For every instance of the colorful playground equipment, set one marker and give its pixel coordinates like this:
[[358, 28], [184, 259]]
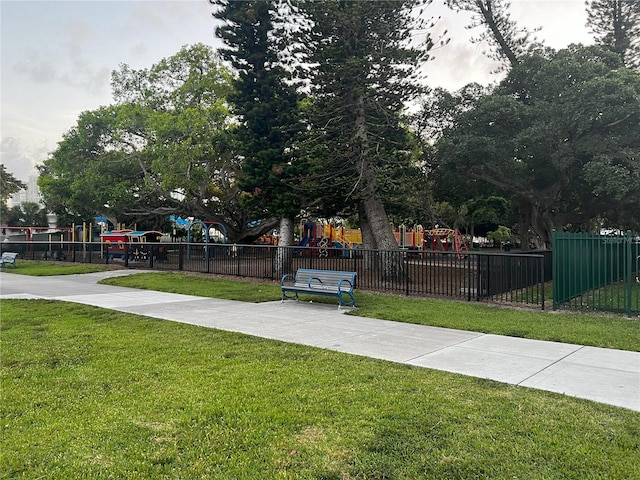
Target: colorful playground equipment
[[419, 238], [118, 242], [328, 236], [443, 237]]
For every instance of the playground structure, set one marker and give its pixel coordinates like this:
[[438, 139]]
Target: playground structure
[[419, 238], [326, 236], [120, 243], [56, 238], [267, 239], [38, 234], [206, 228]]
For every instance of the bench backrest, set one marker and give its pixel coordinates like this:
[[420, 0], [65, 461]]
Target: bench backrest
[[9, 256], [328, 277]]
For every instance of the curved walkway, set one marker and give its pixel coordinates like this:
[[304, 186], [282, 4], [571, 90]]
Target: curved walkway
[[602, 375]]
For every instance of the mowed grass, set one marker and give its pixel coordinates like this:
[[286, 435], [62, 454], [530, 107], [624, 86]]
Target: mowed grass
[[44, 268], [92, 393], [201, 286], [579, 328]]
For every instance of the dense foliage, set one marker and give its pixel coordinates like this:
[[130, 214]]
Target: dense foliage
[[363, 72], [311, 120], [560, 136], [616, 26], [163, 148], [26, 214], [9, 185], [266, 104]]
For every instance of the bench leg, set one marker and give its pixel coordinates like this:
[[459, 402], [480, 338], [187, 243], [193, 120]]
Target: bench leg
[[285, 297], [350, 303]]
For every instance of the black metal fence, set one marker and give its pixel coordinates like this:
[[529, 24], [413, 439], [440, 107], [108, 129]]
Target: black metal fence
[[472, 276]]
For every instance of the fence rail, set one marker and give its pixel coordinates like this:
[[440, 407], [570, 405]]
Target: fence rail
[[474, 276]]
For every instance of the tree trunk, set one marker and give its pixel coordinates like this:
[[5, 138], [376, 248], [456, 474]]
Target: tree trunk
[[368, 242], [391, 261], [537, 225], [284, 255], [543, 224], [374, 211]]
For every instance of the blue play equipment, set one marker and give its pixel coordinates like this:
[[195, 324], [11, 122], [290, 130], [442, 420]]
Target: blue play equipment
[[205, 226]]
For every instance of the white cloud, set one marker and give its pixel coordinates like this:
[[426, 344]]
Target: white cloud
[[20, 159]]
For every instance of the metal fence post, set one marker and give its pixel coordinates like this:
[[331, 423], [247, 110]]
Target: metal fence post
[[628, 273], [406, 277], [542, 281], [554, 270], [478, 277], [469, 277]]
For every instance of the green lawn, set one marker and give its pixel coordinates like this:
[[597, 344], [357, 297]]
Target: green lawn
[[92, 393], [580, 328], [52, 267]]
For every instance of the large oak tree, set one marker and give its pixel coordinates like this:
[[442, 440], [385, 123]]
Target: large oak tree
[[162, 148], [561, 136]]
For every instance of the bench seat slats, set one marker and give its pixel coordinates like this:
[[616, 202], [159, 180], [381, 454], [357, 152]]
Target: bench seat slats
[[9, 258], [320, 282]]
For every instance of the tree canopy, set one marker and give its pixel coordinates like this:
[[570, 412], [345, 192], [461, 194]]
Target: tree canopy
[[560, 136], [309, 118], [508, 41], [163, 148], [9, 184], [362, 73], [27, 214], [616, 26], [266, 104]]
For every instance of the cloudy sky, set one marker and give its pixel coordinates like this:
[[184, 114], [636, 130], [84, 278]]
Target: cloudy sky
[[57, 56]]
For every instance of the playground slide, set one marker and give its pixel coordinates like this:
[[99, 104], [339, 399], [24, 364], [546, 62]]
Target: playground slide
[[304, 242]]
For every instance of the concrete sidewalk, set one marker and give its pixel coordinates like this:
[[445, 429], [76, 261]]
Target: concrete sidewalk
[[598, 374]]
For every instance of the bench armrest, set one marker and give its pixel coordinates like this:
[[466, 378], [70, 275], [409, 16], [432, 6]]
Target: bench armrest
[[344, 280], [287, 276], [314, 278]]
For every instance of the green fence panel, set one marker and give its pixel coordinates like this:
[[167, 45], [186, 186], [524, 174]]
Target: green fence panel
[[596, 271]]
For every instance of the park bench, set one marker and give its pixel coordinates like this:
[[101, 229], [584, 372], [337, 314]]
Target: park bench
[[9, 258], [332, 283]]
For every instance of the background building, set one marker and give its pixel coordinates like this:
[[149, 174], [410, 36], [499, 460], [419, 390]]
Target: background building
[[29, 194]]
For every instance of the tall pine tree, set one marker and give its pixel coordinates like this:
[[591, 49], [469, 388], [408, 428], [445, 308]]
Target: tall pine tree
[[266, 105], [616, 26], [363, 70], [507, 40]]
